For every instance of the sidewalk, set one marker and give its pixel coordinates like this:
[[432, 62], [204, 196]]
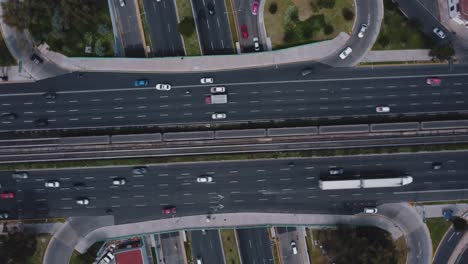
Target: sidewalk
[[14, 75], [431, 211], [397, 55]]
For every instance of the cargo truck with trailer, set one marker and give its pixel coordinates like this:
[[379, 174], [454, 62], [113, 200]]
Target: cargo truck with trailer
[[216, 99], [338, 184]]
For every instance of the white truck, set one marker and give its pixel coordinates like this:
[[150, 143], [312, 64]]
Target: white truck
[[336, 184], [216, 99]]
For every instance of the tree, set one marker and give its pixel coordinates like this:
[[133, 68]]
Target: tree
[[16, 247], [273, 8], [459, 224], [442, 51], [187, 26], [326, 4], [347, 14], [383, 41], [328, 29]]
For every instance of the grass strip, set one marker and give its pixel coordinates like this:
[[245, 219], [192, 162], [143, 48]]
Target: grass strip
[[274, 247], [231, 251], [192, 46], [42, 240], [314, 253], [437, 228], [188, 250], [232, 22], [227, 157], [144, 22], [6, 59], [402, 249], [153, 255]]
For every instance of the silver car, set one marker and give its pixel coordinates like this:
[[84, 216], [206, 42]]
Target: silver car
[[362, 31], [119, 181], [20, 175], [139, 170], [163, 87], [217, 116], [52, 184], [82, 201], [345, 53]]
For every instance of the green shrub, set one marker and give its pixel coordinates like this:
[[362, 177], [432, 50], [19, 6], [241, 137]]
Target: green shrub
[[347, 14], [326, 4], [273, 8], [442, 51], [328, 29], [187, 26], [383, 41]]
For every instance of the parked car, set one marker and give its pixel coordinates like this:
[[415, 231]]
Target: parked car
[[169, 210], [119, 181], [204, 179], [20, 175], [122, 3], [9, 116], [206, 80], [382, 109], [139, 170], [434, 81], [218, 89], [211, 8], [335, 171], [4, 215], [370, 210], [50, 95], [439, 32], [217, 116], [447, 213], [256, 44], [108, 257], [82, 201], [255, 7], [141, 83], [294, 247], [7, 195], [345, 53], [52, 184], [36, 59], [41, 122], [163, 87], [245, 33], [362, 31]]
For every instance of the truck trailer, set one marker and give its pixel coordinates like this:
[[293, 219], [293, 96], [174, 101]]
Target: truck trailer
[[216, 99], [334, 184]]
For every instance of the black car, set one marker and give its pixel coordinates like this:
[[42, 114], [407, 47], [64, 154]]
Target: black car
[[36, 59], [201, 14], [50, 95], [41, 122], [211, 9], [9, 116]]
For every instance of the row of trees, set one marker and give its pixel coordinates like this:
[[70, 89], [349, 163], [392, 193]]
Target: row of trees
[[16, 247]]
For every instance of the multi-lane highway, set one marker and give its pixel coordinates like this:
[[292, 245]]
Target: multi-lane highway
[[255, 245], [104, 99], [243, 186]]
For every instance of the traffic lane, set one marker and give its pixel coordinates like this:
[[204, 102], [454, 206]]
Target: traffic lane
[[207, 246], [446, 247], [213, 29], [163, 28], [286, 235], [171, 246], [255, 245], [244, 16], [129, 29]]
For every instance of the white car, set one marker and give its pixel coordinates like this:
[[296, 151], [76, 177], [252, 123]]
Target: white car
[[204, 179], [345, 53], [256, 44], [439, 32], [206, 80], [294, 247], [82, 201], [382, 109], [119, 181], [370, 210], [52, 184], [217, 116], [122, 3], [362, 31], [163, 87], [108, 258], [218, 89]]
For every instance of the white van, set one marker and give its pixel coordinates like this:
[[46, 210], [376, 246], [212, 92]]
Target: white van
[[199, 260]]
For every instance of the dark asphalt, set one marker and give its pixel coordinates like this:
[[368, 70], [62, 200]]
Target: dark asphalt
[[104, 99], [207, 245], [285, 236], [127, 21], [249, 186], [171, 250], [447, 246], [255, 246], [213, 30], [244, 16], [163, 28]]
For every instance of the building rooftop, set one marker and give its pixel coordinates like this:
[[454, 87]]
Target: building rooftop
[[133, 256]]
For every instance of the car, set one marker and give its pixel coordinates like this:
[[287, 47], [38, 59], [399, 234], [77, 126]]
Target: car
[[434, 81], [108, 257], [50, 95], [255, 7], [437, 165], [7, 195], [4, 215], [119, 181], [141, 83], [211, 9], [206, 80], [256, 44], [335, 171], [218, 89], [362, 31], [368, 210], [139, 170], [36, 59], [82, 201], [20, 175], [169, 210], [52, 184], [382, 109], [41, 122], [122, 3], [199, 260], [345, 53], [447, 213], [245, 33], [163, 87], [9, 116], [201, 14], [294, 247], [204, 179], [217, 116], [439, 32]]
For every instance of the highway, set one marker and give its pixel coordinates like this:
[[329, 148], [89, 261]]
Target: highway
[[206, 244], [447, 246], [238, 186], [255, 246], [128, 26], [108, 99]]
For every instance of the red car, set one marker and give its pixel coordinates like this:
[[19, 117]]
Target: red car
[[8, 195], [433, 81], [169, 210], [245, 33], [255, 7]]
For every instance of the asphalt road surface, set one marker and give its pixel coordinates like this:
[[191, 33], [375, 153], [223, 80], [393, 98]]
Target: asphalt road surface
[[104, 99], [207, 246], [244, 186], [285, 236], [447, 246], [127, 21], [172, 248], [213, 29], [255, 246], [163, 28], [244, 16]]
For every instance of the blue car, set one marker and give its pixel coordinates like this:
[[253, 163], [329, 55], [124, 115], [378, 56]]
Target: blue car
[[141, 83]]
